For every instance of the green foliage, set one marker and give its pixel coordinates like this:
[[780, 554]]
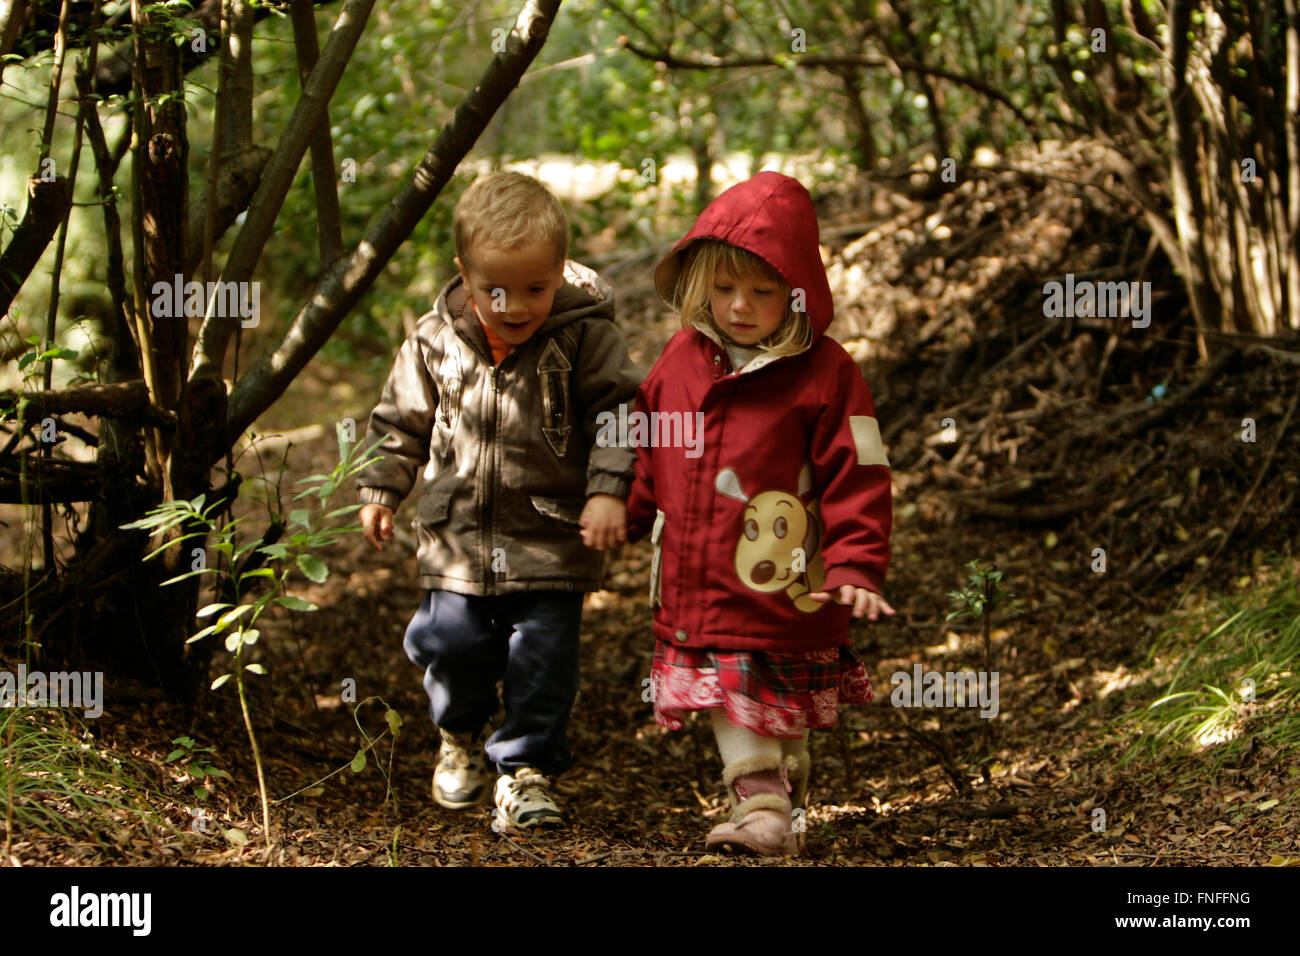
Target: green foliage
[[236, 620], [55, 778], [198, 767], [982, 596], [319, 530], [1236, 683], [392, 729]]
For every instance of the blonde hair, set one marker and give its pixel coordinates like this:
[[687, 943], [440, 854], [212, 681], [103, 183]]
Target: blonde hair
[[507, 209], [694, 289]]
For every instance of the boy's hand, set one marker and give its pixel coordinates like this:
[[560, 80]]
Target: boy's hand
[[604, 522], [376, 524], [864, 602]]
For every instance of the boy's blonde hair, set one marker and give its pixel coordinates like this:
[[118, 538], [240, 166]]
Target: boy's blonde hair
[[506, 209], [695, 286]]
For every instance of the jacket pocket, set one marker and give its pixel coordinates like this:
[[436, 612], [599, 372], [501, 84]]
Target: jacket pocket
[[656, 563], [448, 411], [553, 379], [435, 505], [567, 511]]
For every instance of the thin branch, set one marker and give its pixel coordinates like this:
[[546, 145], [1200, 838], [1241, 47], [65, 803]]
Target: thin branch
[[802, 60], [215, 333], [329, 231], [238, 52]]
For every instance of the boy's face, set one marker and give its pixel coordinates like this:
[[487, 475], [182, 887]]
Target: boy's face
[[513, 287], [747, 308]]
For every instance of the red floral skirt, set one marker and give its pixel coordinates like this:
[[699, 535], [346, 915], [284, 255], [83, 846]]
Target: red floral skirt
[[777, 695]]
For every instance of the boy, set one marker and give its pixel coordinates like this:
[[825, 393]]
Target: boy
[[496, 394]]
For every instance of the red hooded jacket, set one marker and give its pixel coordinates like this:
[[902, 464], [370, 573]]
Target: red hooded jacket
[[786, 489]]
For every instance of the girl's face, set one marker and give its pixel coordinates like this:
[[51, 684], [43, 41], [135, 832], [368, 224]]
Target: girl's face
[[749, 308]]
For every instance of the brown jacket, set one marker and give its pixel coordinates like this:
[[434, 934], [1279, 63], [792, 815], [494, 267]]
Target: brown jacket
[[509, 451]]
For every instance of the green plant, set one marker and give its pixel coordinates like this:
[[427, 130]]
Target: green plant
[[197, 766], [979, 599], [392, 852], [319, 530], [358, 762], [1237, 680], [58, 780]]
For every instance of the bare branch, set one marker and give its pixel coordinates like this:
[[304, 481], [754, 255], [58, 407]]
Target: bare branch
[[278, 176], [57, 478], [119, 400], [805, 61], [47, 201], [239, 91], [329, 231]]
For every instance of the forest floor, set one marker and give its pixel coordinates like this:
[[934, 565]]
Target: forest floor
[[1058, 451]]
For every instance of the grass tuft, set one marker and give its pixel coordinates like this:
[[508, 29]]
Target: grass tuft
[[1236, 682], [57, 780]]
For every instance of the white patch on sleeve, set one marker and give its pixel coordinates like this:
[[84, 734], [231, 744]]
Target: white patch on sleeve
[[866, 438]]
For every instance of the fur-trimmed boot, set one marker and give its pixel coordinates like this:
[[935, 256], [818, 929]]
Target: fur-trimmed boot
[[797, 766], [760, 809]]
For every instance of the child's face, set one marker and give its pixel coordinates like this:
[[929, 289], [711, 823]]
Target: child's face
[[513, 287], [749, 308]]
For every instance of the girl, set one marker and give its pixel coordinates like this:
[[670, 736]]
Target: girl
[[771, 522]]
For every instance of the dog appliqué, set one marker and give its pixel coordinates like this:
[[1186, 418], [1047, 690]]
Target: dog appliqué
[[779, 548]]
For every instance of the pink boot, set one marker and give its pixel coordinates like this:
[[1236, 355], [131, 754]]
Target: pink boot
[[761, 810]]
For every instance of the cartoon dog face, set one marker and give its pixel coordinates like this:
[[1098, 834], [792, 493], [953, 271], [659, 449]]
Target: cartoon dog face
[[776, 527], [779, 544]]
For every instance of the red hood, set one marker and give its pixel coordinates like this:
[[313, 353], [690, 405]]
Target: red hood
[[771, 216]]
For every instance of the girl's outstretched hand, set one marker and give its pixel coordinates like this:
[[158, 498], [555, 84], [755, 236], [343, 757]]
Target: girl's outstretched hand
[[864, 602]]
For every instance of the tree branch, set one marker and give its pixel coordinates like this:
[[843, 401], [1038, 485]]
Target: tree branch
[[829, 62], [329, 231], [114, 75], [47, 201], [11, 18], [120, 400], [214, 335]]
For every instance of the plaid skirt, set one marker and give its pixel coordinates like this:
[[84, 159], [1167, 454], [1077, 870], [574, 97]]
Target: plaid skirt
[[777, 695]]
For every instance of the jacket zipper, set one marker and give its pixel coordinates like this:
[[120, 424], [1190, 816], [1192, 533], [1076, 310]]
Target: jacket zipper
[[494, 396]]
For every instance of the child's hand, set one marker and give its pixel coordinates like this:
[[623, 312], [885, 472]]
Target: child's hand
[[376, 524], [864, 602], [604, 522]]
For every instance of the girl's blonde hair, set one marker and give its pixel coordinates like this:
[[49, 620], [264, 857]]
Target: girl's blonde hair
[[694, 289]]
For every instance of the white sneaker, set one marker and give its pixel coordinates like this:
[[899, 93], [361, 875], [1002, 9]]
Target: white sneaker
[[524, 801], [461, 779]]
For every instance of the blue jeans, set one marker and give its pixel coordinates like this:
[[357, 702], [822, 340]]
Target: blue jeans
[[528, 639]]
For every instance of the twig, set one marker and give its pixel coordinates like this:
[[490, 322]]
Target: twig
[[524, 849]]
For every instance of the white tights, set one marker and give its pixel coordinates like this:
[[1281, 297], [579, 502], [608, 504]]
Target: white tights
[[737, 743]]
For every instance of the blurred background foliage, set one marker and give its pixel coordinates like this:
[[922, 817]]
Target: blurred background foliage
[[622, 138]]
